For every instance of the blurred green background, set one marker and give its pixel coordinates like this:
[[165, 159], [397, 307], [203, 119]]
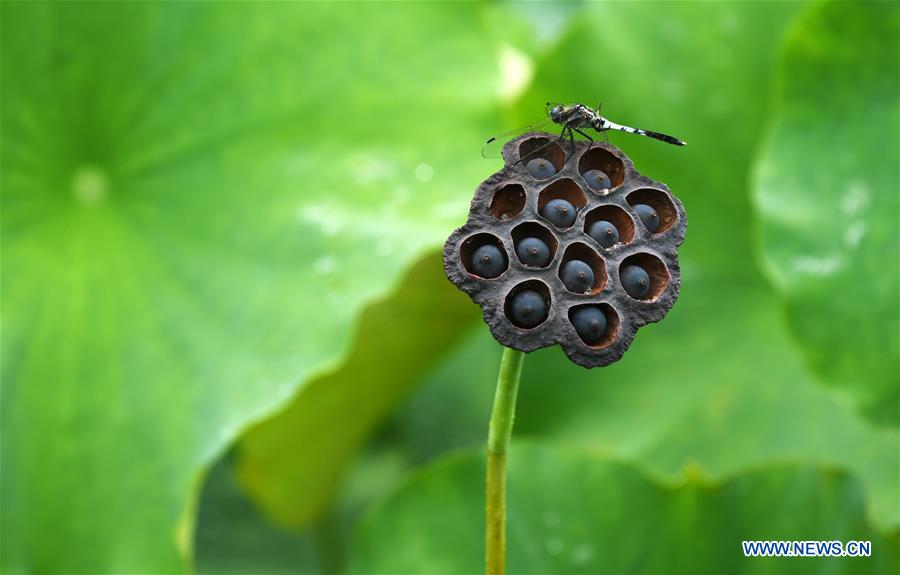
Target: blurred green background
[[228, 345]]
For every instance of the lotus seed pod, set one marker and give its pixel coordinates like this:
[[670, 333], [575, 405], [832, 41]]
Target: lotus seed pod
[[577, 276], [541, 168], [597, 180], [592, 262], [604, 233], [487, 261], [528, 309], [648, 216], [590, 323], [533, 252], [635, 280], [560, 212]]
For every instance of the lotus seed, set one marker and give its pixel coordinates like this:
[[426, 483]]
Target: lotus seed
[[488, 261], [577, 276], [560, 212], [635, 281], [597, 180], [540, 168], [605, 233], [648, 216], [533, 252], [590, 323], [528, 309]]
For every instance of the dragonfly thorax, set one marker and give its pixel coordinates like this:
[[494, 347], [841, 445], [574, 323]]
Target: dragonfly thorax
[[573, 114]]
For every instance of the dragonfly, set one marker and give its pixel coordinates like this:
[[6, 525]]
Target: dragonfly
[[574, 119]]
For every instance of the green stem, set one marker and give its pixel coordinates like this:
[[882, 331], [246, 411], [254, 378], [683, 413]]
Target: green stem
[[502, 417]]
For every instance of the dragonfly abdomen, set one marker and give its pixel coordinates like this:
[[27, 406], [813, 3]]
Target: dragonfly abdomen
[[655, 135], [664, 138]]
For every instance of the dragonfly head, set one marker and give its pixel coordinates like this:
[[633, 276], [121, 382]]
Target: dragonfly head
[[556, 112]]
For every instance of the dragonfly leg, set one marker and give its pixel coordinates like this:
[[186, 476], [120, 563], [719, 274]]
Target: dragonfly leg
[[566, 129], [586, 136]]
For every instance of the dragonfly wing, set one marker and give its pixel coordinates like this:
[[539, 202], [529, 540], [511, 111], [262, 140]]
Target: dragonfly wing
[[493, 148], [537, 153], [580, 130], [564, 139]]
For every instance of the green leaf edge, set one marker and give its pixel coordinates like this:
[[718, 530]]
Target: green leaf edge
[[768, 132], [184, 529], [693, 475]]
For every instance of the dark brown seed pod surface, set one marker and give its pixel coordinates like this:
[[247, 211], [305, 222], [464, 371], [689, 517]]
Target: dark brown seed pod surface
[[507, 208]]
